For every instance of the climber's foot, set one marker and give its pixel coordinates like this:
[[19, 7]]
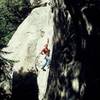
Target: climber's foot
[[43, 69]]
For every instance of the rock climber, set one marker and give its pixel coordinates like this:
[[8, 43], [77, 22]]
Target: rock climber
[[45, 51]]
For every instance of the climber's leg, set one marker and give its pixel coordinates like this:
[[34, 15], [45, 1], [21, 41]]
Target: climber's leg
[[45, 64]]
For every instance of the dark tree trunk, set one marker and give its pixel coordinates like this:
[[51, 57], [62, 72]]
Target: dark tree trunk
[[76, 52]]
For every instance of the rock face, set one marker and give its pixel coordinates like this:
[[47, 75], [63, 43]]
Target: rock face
[[27, 42], [34, 2], [74, 65], [23, 44]]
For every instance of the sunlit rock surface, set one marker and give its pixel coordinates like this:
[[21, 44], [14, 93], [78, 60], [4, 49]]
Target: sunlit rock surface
[[27, 42], [23, 44]]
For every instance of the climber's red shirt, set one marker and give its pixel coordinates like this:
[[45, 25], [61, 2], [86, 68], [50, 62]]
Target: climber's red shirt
[[45, 50]]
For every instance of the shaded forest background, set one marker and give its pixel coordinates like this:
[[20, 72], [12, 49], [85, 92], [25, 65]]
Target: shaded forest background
[[76, 51], [12, 13]]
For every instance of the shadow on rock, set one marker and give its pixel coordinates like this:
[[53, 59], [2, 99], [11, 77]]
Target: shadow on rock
[[24, 86]]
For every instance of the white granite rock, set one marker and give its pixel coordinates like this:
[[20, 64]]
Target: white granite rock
[[27, 42]]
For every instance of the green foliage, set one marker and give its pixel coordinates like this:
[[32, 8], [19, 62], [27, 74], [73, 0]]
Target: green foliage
[[12, 13], [5, 74]]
